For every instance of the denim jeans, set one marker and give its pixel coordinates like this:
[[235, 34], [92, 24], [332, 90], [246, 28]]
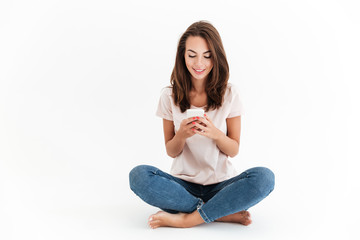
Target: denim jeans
[[214, 201]]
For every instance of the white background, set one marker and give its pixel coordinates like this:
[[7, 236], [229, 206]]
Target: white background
[[79, 86]]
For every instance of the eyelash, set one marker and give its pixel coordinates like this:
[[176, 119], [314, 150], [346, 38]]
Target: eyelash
[[194, 56]]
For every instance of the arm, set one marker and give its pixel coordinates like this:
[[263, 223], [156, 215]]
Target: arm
[[174, 143], [229, 143]]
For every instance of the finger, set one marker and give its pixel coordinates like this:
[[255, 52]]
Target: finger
[[196, 130], [189, 120], [203, 120], [203, 124], [207, 118], [200, 126], [200, 132], [190, 126]]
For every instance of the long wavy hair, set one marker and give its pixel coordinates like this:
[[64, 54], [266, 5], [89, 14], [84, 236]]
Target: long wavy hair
[[218, 77]]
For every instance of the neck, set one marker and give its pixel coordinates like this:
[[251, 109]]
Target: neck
[[198, 86]]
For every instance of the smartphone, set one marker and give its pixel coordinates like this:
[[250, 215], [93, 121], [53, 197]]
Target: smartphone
[[195, 113]]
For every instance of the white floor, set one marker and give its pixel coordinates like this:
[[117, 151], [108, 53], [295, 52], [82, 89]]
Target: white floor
[[45, 212]]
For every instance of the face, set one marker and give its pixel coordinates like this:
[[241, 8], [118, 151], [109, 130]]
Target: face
[[198, 58]]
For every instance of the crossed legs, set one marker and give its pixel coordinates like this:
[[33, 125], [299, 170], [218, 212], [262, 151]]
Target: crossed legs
[[229, 204]]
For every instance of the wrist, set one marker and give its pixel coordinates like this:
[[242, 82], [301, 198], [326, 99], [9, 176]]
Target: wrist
[[180, 136], [219, 136]]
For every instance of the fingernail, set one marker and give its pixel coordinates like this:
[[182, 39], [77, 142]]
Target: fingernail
[[193, 118], [204, 114], [193, 122], [197, 117]]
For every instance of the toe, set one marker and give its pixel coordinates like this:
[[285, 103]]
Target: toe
[[153, 217], [248, 222], [154, 224]]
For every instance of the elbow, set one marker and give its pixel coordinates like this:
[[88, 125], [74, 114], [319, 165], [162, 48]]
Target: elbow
[[171, 154], [233, 154], [168, 152]]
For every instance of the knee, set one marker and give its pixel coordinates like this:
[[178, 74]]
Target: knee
[[138, 176], [265, 179]]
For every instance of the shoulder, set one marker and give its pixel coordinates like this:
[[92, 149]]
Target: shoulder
[[165, 104], [231, 92], [166, 96], [166, 91], [233, 99]]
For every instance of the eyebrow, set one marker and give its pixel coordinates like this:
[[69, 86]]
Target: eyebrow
[[195, 52]]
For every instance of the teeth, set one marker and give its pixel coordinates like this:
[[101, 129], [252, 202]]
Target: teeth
[[199, 70]]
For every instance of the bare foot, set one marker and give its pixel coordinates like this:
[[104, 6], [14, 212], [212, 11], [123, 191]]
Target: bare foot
[[242, 217], [179, 220]]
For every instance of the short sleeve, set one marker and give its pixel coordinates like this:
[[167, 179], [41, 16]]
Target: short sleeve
[[236, 106], [164, 109]]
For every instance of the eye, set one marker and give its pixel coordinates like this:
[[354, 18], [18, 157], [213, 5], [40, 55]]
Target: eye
[[191, 56], [207, 56]]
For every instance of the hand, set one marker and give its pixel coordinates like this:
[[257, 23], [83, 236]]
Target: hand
[[186, 126], [206, 128]]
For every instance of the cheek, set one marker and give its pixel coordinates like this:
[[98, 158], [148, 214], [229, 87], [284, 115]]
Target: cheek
[[187, 63], [210, 65]]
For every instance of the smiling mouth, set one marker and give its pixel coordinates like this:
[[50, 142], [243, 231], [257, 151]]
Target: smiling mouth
[[199, 70]]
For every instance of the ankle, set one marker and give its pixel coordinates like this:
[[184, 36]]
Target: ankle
[[186, 220], [192, 219]]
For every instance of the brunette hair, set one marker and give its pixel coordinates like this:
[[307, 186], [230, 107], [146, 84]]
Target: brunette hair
[[218, 77]]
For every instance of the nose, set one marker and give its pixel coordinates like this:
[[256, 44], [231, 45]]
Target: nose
[[199, 62]]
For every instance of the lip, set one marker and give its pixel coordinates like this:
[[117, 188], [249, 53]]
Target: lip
[[199, 73]]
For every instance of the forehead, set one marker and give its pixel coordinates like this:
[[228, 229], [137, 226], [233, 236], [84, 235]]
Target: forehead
[[196, 43]]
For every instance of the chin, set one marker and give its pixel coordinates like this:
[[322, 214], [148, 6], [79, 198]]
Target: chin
[[200, 78]]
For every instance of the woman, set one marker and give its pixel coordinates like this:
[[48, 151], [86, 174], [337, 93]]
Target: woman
[[203, 185]]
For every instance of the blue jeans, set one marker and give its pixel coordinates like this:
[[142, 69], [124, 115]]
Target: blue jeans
[[214, 201]]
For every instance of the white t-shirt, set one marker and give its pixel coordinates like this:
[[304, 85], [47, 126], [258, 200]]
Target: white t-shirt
[[201, 161]]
